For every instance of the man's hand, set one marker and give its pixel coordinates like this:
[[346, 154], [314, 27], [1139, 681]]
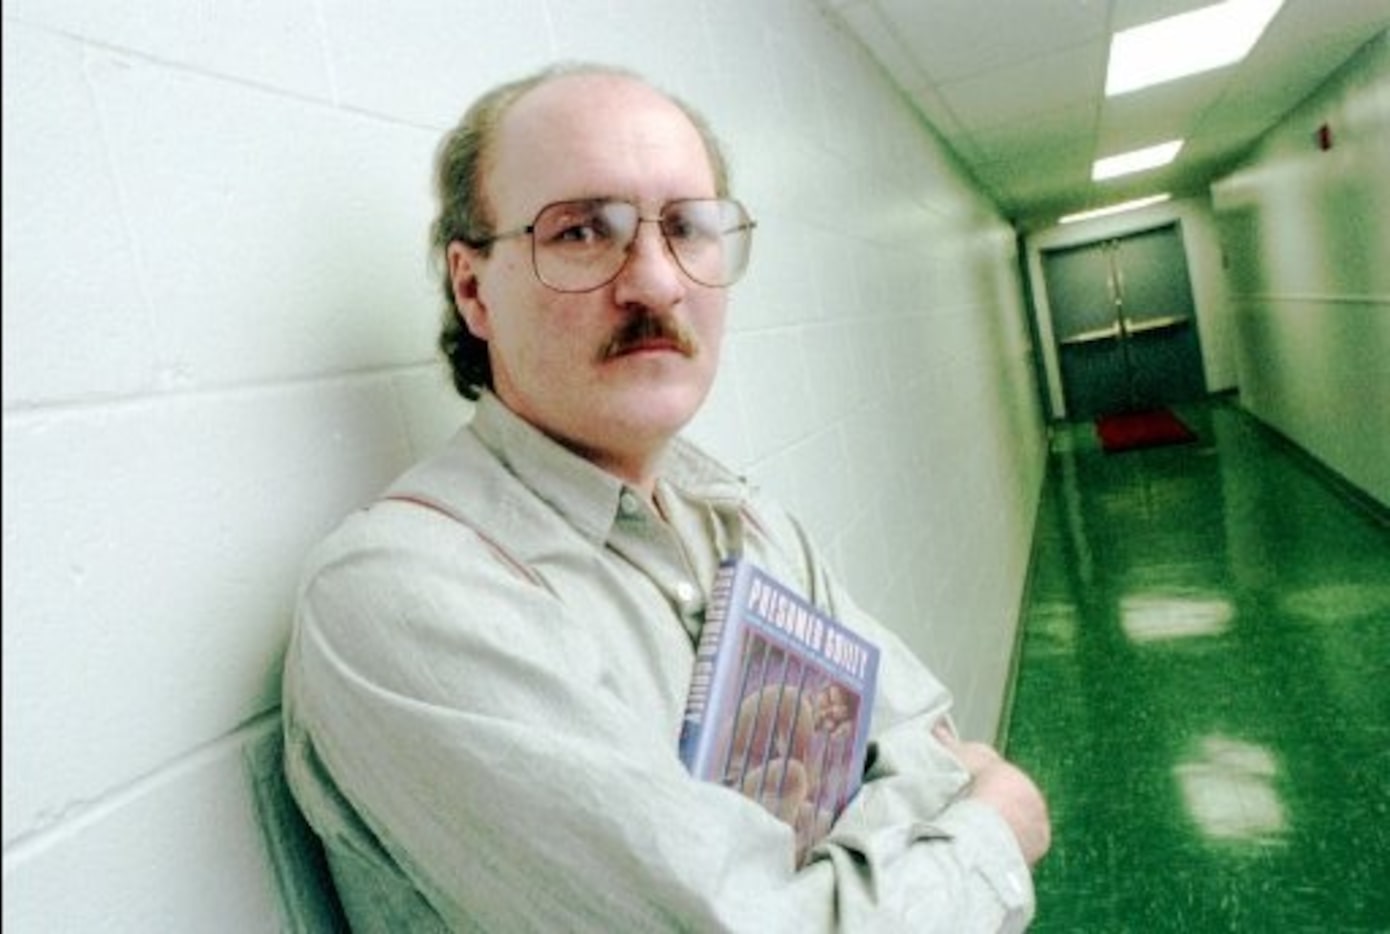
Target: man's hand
[[1007, 789]]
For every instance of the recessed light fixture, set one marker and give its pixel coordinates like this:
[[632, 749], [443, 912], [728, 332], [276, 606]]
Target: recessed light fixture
[[1149, 157], [1186, 44], [1114, 209]]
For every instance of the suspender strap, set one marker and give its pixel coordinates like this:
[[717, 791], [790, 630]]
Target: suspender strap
[[508, 560]]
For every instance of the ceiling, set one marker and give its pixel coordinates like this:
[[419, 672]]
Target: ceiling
[[1016, 89]]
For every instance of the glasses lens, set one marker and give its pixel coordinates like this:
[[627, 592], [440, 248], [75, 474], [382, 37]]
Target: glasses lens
[[578, 246], [709, 237]]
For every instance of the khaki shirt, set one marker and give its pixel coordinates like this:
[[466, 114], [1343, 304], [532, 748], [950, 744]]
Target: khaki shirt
[[484, 693]]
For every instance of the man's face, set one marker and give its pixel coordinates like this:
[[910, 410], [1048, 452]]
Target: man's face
[[559, 360]]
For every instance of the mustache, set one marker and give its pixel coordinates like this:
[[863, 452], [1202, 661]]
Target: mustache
[[647, 327]]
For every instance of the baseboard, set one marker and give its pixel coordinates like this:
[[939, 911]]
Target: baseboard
[[1006, 710], [1356, 497]]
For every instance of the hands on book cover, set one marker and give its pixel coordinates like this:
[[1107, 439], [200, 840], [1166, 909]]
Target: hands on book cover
[[779, 702]]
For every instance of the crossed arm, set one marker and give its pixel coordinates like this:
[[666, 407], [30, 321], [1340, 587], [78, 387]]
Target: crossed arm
[[513, 773]]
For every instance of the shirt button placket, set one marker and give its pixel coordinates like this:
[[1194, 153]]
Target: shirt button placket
[[628, 503], [686, 593]]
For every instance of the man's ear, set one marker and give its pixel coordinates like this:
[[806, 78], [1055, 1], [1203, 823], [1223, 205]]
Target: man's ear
[[468, 300]]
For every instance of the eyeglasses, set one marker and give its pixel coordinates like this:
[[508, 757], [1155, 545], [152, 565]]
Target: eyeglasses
[[580, 246]]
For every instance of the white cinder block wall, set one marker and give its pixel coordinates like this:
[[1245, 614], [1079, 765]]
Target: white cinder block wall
[[218, 339], [1307, 231]]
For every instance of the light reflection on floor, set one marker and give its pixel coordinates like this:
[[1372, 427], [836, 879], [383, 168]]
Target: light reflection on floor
[[1204, 689], [1147, 617], [1334, 602], [1229, 791]]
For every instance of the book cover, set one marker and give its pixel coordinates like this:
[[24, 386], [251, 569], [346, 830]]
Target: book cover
[[780, 700]]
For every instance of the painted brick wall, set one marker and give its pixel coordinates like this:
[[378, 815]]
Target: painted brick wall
[[1307, 233], [218, 339]]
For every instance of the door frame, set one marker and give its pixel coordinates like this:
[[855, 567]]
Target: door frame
[[1093, 232]]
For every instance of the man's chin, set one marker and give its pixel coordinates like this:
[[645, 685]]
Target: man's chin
[[654, 410]]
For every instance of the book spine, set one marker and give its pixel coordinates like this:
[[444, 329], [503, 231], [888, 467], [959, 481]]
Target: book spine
[[702, 678]]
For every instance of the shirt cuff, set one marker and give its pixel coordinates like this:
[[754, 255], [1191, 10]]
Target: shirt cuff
[[986, 843]]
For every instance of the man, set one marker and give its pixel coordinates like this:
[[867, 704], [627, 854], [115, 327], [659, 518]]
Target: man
[[485, 685]]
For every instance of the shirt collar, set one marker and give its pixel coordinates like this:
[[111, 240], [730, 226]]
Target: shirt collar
[[586, 495]]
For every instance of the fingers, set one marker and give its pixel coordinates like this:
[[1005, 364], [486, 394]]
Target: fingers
[[1021, 803], [1004, 787]]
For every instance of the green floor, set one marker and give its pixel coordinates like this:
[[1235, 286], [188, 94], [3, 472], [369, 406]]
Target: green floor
[[1204, 688]]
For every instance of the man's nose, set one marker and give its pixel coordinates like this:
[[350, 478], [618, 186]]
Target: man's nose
[[651, 275]]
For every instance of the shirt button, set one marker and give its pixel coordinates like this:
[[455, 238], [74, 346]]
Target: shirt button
[[629, 504], [686, 592]]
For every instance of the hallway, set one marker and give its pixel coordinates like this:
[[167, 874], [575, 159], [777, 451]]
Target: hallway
[[1203, 688]]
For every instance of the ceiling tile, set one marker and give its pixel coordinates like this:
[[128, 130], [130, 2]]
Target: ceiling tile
[[1016, 88], [1072, 128], [1163, 112], [1131, 13], [1034, 86], [868, 24], [953, 39]]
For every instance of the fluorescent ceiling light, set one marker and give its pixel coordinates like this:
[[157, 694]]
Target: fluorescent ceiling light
[[1137, 161], [1207, 38], [1114, 209]]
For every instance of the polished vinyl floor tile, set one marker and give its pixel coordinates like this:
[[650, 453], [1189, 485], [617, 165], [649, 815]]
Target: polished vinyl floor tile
[[1204, 688]]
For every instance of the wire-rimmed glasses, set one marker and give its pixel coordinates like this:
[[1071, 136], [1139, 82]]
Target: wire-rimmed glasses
[[582, 245]]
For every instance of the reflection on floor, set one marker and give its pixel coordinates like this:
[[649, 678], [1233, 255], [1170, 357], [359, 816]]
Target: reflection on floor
[[1204, 688]]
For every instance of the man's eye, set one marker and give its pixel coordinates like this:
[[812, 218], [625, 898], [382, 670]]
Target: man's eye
[[687, 228], [583, 232], [680, 229]]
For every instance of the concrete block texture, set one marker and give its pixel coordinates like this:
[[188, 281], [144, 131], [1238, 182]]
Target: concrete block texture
[[219, 323]]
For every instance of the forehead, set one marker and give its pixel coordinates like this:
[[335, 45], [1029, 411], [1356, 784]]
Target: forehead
[[588, 135]]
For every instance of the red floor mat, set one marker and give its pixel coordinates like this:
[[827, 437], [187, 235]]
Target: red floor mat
[[1131, 430]]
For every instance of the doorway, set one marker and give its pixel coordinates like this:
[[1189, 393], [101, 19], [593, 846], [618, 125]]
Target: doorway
[[1125, 323]]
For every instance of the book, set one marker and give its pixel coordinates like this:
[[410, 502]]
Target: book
[[779, 703]]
